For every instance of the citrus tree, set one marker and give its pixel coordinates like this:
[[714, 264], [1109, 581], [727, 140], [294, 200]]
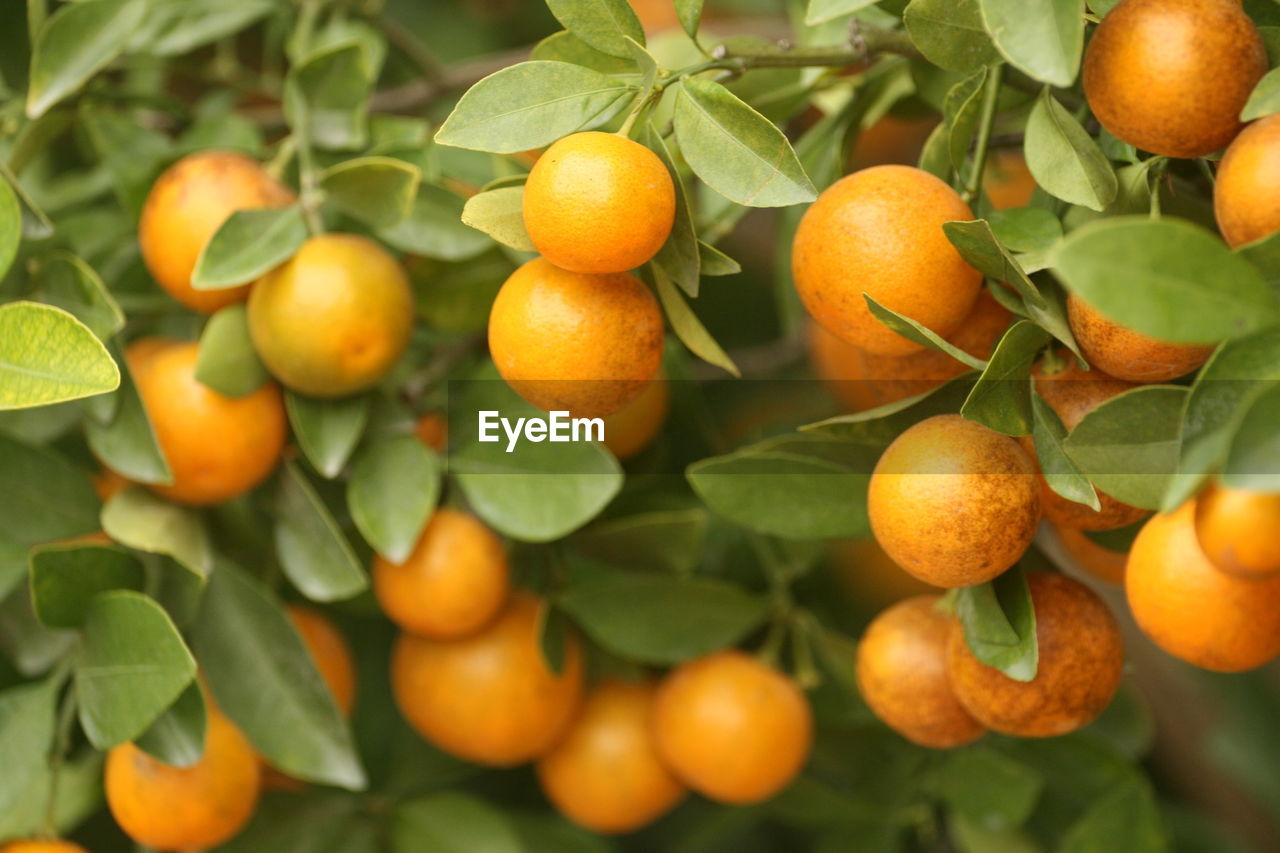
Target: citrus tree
[[915, 368]]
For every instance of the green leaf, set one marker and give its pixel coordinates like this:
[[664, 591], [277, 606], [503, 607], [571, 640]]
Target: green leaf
[[962, 109], [1182, 284], [264, 679], [1064, 159], [48, 356], [950, 34], [666, 539], [530, 105], [393, 488], [914, 331], [500, 214], [452, 822], [228, 362], [1253, 461], [376, 190], [971, 837], [75, 43], [1006, 796], [688, 327], [1043, 38], [977, 244], [1264, 254], [1125, 818], [69, 283], [138, 519], [877, 427], [603, 24], [327, 97], [132, 665], [127, 442], [177, 736], [46, 497], [679, 257], [1000, 624], [180, 26], [248, 245], [735, 150], [1002, 398], [1059, 471], [662, 620], [327, 430], [314, 553], [1265, 99], [434, 228], [65, 578], [1024, 229], [1128, 446], [716, 262], [26, 736], [10, 226], [564, 46], [821, 11], [689, 13]]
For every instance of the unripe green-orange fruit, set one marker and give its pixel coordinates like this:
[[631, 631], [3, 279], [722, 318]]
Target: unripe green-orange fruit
[[1171, 76], [953, 502], [1239, 530], [598, 203], [1081, 659], [902, 674], [879, 231], [1246, 194], [1191, 608], [1126, 353]]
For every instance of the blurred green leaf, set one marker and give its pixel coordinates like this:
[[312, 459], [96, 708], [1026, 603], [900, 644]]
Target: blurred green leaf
[[1064, 159], [65, 579], [1000, 624], [327, 430], [394, 486], [1126, 818], [313, 550], [603, 24], [126, 441], [175, 27], [227, 362], [1005, 796], [176, 737], [821, 11], [72, 285], [452, 822], [248, 245], [662, 539], [1254, 459], [46, 497], [26, 735], [1265, 99], [327, 97], [75, 43], [435, 228], [138, 519], [10, 226], [500, 214], [376, 190], [48, 356]]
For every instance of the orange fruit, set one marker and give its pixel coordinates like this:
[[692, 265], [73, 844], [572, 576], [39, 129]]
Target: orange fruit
[[217, 447], [489, 697], [187, 205], [902, 673], [1128, 354], [1246, 195], [604, 774], [432, 429], [655, 15], [632, 428], [732, 728], [1239, 530], [864, 380], [869, 576], [1192, 609], [330, 653], [47, 845], [879, 231], [1073, 393], [1171, 76], [588, 344], [334, 318], [1007, 179], [1081, 662], [453, 583], [892, 140], [174, 808], [598, 203], [1101, 562], [107, 484], [953, 502]]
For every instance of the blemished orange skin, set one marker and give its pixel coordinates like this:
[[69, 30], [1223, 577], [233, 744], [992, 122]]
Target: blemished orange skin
[[1081, 662], [598, 203], [176, 808], [732, 728], [588, 344], [604, 774], [1073, 393], [901, 669], [1239, 530], [217, 447], [186, 206], [334, 318], [453, 583], [869, 576], [879, 231], [1128, 354], [1007, 180], [329, 651], [488, 698], [1246, 194], [1171, 76], [1102, 563], [632, 428], [953, 502], [863, 380], [1191, 608], [45, 846], [432, 429]]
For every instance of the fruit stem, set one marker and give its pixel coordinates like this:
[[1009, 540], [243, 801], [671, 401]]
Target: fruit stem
[[986, 121]]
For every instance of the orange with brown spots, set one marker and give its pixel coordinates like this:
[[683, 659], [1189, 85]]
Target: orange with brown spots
[[1126, 353], [1246, 194]]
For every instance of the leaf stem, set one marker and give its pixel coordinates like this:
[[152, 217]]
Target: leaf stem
[[990, 99]]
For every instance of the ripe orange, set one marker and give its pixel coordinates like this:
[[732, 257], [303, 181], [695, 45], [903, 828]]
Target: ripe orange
[[1128, 354], [879, 231], [453, 583], [1192, 609], [632, 428], [588, 344], [604, 773], [892, 140], [953, 502], [902, 674], [42, 846], [187, 205], [432, 429], [864, 380], [174, 808], [1246, 195], [1081, 661], [1171, 76], [217, 447], [1102, 563], [1239, 530], [1073, 393], [598, 203], [1007, 180], [489, 697], [869, 576], [334, 318], [655, 15], [732, 728], [329, 651]]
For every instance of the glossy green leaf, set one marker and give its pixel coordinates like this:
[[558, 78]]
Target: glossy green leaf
[[75, 43], [1002, 398], [138, 519], [1064, 159], [394, 486], [1000, 624], [950, 34], [177, 736], [228, 362], [314, 552], [603, 24], [327, 430], [376, 190], [248, 245], [1043, 38], [500, 214], [48, 356], [65, 579]]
